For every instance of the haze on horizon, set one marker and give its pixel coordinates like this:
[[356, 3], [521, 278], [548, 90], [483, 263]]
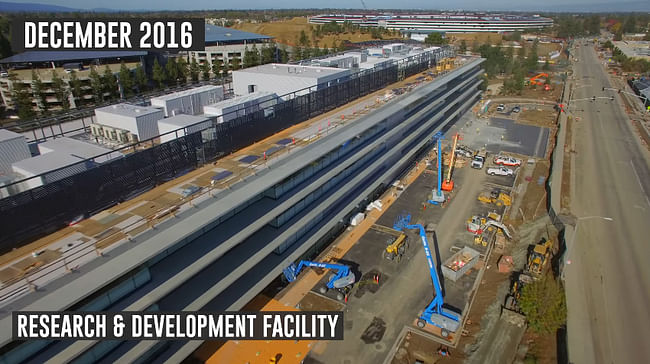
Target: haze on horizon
[[497, 5]]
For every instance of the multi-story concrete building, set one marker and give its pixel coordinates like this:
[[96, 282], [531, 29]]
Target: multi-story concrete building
[[231, 245]]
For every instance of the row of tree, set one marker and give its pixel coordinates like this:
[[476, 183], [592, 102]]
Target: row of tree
[[637, 65]]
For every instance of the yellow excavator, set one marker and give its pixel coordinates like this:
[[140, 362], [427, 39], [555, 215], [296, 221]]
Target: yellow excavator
[[538, 257], [495, 197]]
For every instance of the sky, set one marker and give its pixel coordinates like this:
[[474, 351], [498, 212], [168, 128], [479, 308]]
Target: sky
[[524, 5]]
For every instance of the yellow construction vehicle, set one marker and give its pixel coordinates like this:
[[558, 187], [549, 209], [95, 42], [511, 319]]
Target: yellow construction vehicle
[[538, 257], [496, 197], [397, 248]]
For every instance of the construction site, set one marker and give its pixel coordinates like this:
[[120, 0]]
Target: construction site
[[402, 229]]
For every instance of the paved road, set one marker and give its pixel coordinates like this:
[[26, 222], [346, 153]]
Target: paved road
[[608, 280]]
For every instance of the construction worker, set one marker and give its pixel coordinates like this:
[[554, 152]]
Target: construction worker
[[443, 351]]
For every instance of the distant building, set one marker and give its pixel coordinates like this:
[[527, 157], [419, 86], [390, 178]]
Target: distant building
[[224, 44], [63, 63], [285, 79]]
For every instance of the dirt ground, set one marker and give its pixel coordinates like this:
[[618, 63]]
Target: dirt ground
[[537, 117], [543, 348], [286, 32], [470, 38]]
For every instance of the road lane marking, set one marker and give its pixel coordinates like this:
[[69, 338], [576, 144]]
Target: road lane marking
[[638, 180]]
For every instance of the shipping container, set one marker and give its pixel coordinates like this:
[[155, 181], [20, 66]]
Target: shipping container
[[189, 102], [13, 148], [182, 125], [141, 121]]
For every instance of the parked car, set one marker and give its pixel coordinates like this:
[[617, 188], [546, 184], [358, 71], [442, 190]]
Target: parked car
[[479, 159], [516, 109], [499, 171], [501, 108], [506, 161]]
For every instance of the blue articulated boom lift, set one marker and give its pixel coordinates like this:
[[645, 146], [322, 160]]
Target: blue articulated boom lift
[[437, 196], [434, 313], [342, 281]]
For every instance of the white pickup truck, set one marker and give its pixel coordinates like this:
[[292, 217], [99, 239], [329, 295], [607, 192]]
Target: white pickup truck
[[499, 171]]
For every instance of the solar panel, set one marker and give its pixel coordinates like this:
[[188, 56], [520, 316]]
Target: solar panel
[[283, 141], [249, 159], [221, 175]]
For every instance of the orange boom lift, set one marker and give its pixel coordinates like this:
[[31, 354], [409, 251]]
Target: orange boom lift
[[448, 184]]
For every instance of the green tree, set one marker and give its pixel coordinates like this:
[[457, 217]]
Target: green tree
[[38, 89], [110, 83], [182, 69], [533, 57], [544, 304], [5, 47], [435, 38], [171, 68], [205, 70], [159, 74], [75, 85], [463, 46], [618, 36], [61, 91], [235, 63], [249, 59], [341, 46], [21, 95], [629, 25], [268, 54], [217, 67], [97, 85], [126, 80], [297, 53], [194, 70], [141, 80], [303, 40], [547, 66], [284, 54]]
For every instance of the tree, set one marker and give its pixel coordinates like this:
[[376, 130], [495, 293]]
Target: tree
[[159, 74], [141, 79], [75, 85], [217, 67], [629, 25], [463, 46], [544, 304], [249, 58], [235, 63], [38, 90], [194, 70], [256, 55], [268, 54], [171, 68], [126, 80], [284, 55], [647, 36], [182, 69], [21, 95], [547, 66], [96, 85], [205, 70], [110, 83], [61, 91], [303, 40], [531, 61], [618, 36], [435, 38]]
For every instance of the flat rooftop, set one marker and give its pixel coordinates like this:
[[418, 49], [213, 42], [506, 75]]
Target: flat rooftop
[[9, 135], [128, 110], [53, 56], [183, 120], [46, 162], [634, 49], [76, 148], [191, 91], [239, 100], [294, 70]]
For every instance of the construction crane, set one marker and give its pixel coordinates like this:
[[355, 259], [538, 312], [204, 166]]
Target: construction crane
[[437, 196], [448, 184], [364, 5], [533, 80], [434, 313], [342, 281]]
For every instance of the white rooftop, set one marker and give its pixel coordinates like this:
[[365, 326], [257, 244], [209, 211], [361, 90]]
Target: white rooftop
[[237, 100], [294, 70], [8, 135], [191, 91], [128, 110], [46, 162], [183, 120], [74, 147]]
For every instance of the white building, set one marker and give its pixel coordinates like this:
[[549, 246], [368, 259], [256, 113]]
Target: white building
[[285, 79], [140, 121], [242, 105], [182, 124], [49, 167], [79, 149], [13, 148], [342, 61], [190, 102]]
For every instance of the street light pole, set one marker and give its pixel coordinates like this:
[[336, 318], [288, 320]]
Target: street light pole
[[567, 260]]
